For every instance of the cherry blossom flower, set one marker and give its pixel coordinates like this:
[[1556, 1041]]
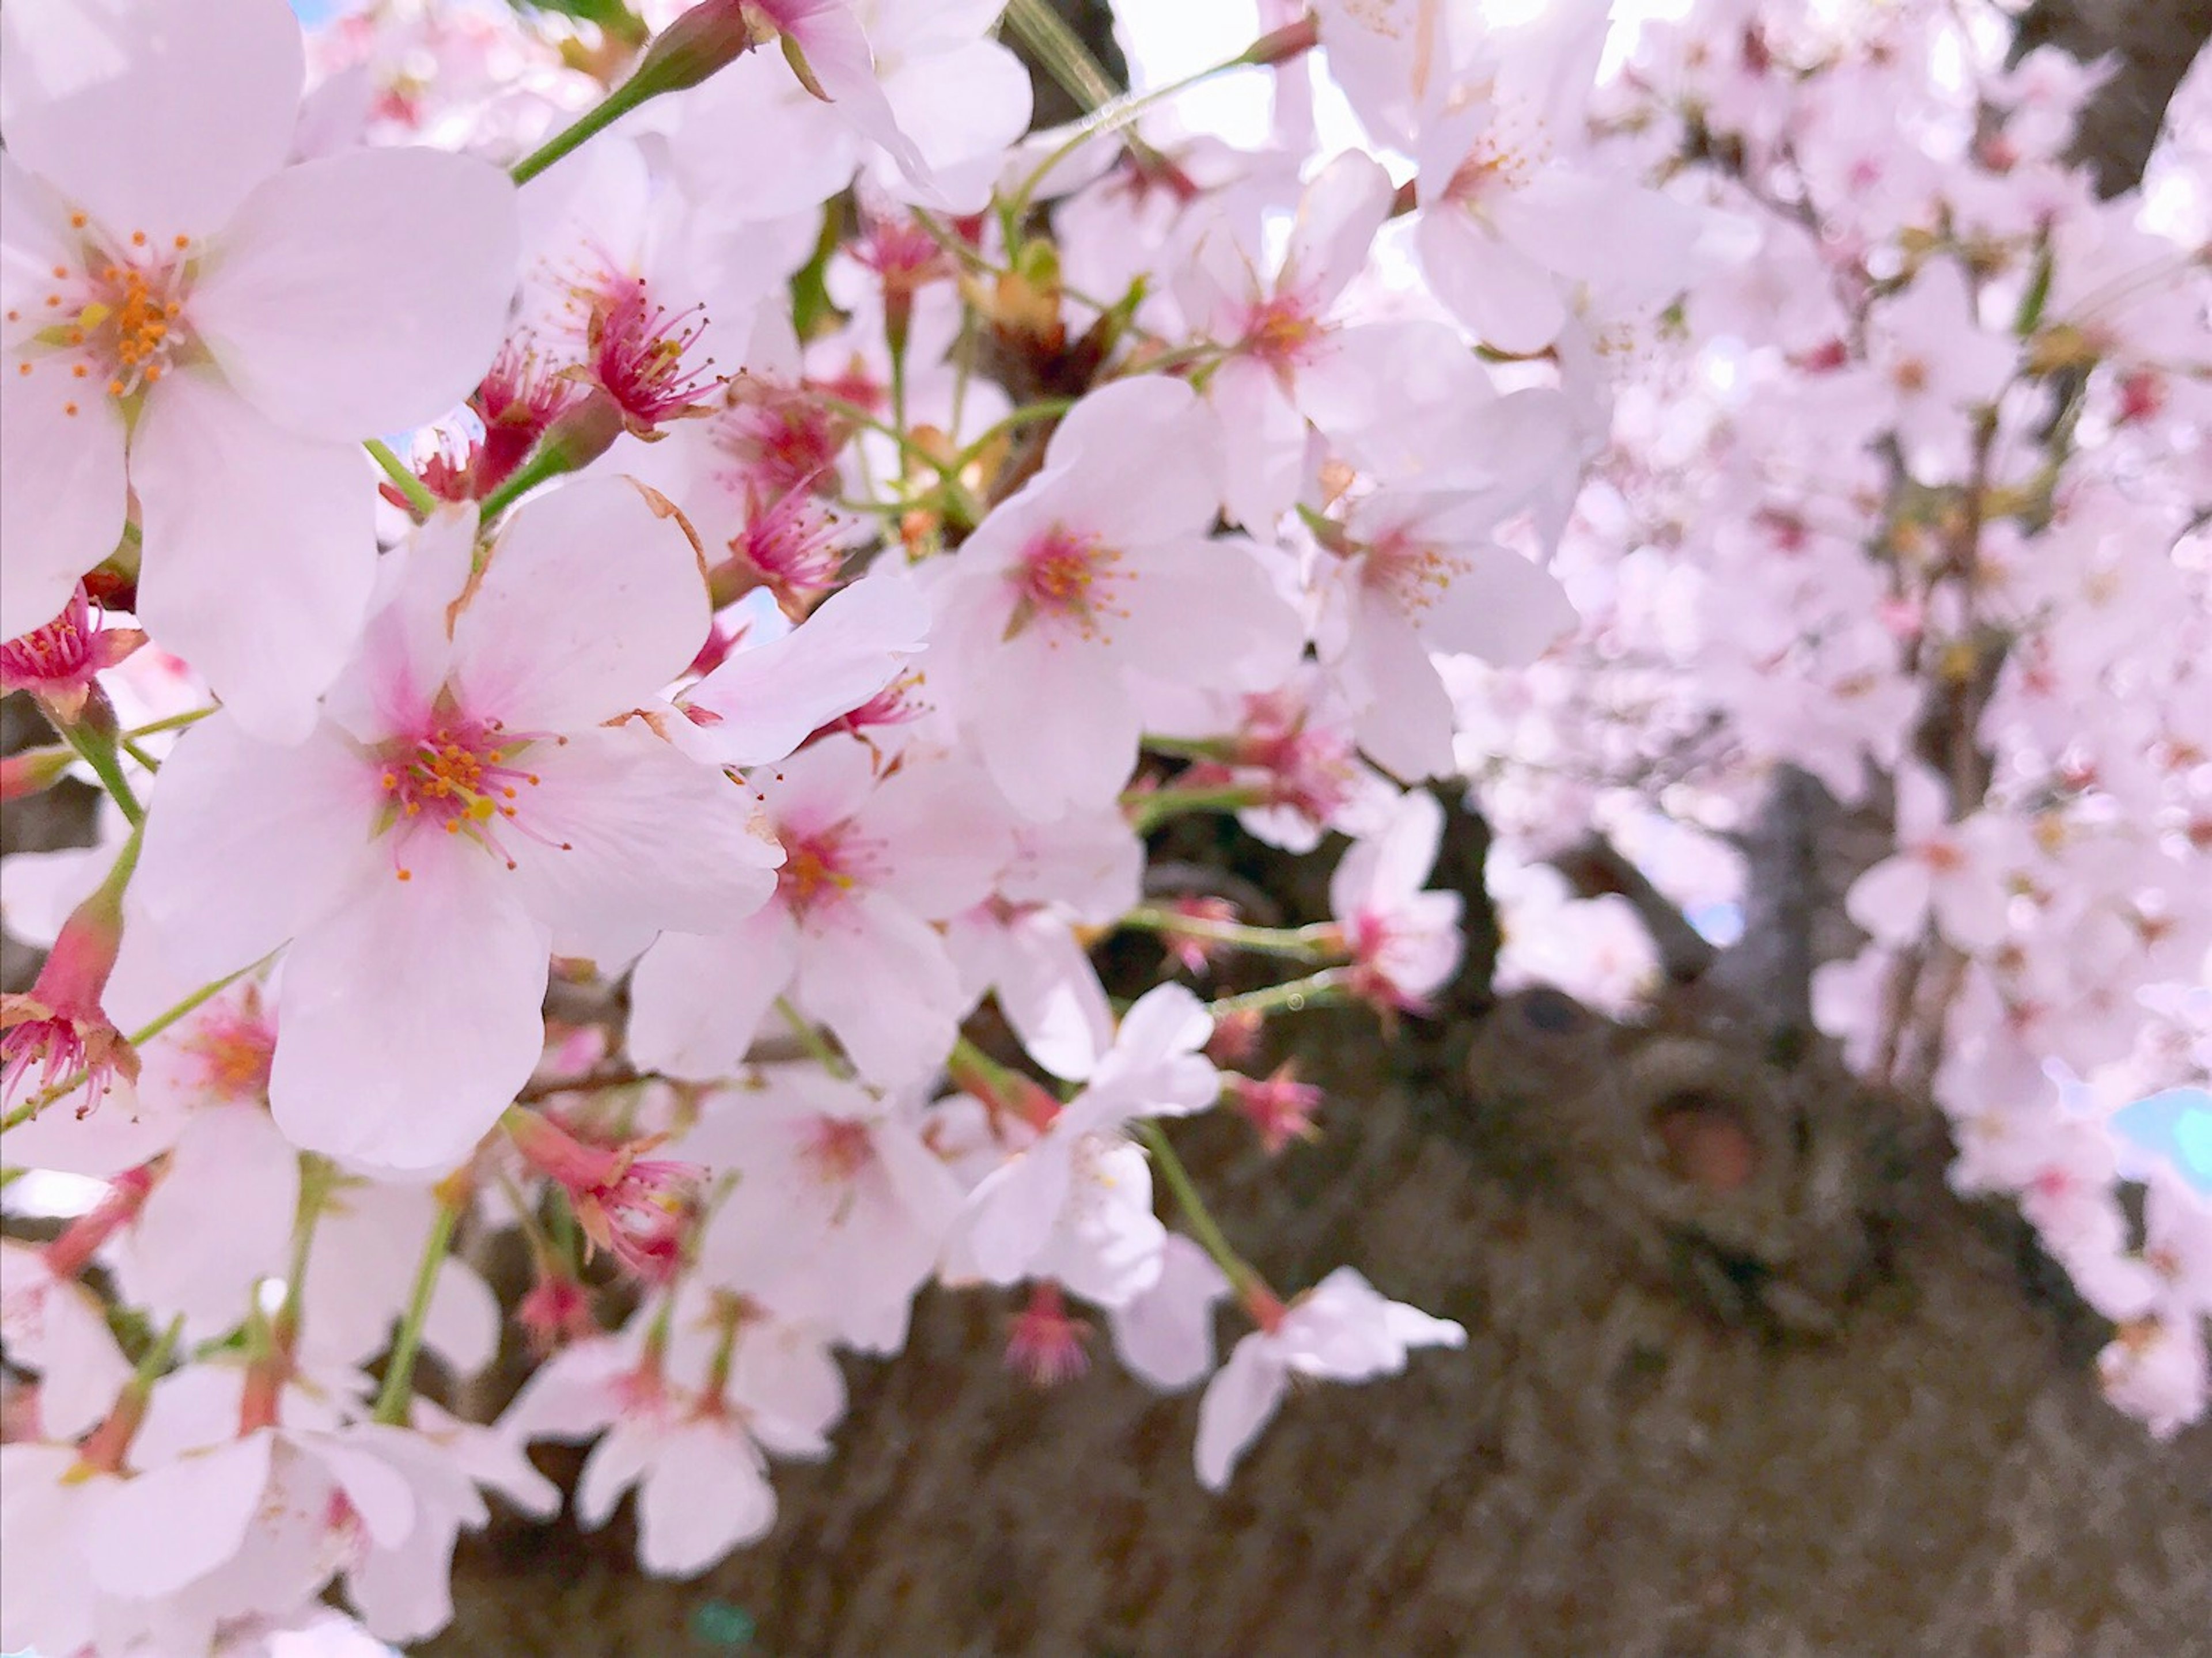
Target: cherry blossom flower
[[197, 324], [1956, 872], [1405, 941], [1077, 591], [460, 814], [1076, 1205], [871, 862], [1339, 1331], [59, 663], [839, 1209]]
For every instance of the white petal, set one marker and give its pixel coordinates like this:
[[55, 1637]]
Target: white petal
[[261, 550], [1011, 1212], [1498, 291], [1149, 427], [881, 978], [153, 115], [706, 1495], [1890, 900], [410, 1018], [152, 1535], [1050, 993], [1166, 1334], [1238, 1401], [1343, 207], [770, 699], [1056, 728], [612, 1468], [695, 1002], [246, 843], [62, 511], [364, 293], [1505, 609], [220, 1218], [591, 602], [637, 837]]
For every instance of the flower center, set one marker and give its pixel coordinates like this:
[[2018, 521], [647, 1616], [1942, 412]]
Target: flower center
[[1063, 576], [459, 777], [1281, 331], [814, 872], [835, 1149], [638, 352], [1412, 575], [114, 321]]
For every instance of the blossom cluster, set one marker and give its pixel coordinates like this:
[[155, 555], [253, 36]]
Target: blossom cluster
[[637, 589]]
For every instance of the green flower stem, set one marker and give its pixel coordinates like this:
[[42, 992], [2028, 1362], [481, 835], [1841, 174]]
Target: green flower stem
[[1028, 414], [545, 461], [811, 1039], [419, 499], [399, 1371], [1242, 1276], [1321, 942], [146, 1033], [97, 748], [173, 722], [1044, 32], [1330, 985], [1147, 808]]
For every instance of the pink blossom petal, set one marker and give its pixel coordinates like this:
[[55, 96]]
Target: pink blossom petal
[[153, 115], [770, 698], [410, 1018], [261, 550], [1243, 1393], [695, 1002], [705, 1494], [1492, 287], [880, 978], [365, 293], [152, 1535], [220, 1218], [1342, 209], [591, 603], [246, 844], [1505, 609], [1068, 739], [1149, 427], [63, 510], [637, 837]]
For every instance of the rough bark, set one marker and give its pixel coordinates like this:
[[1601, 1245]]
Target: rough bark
[[1819, 1411]]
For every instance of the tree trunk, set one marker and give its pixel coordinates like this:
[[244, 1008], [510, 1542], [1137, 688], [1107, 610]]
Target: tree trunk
[[1821, 1412]]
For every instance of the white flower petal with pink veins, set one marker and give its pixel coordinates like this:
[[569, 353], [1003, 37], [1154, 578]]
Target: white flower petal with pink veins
[[260, 550], [152, 114]]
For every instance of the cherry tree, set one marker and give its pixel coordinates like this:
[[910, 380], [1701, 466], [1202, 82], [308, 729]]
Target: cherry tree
[[649, 588]]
